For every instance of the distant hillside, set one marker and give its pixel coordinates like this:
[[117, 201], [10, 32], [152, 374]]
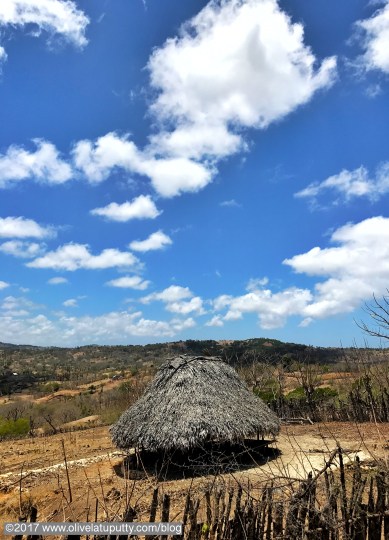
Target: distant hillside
[[13, 346], [22, 366], [245, 351], [232, 351]]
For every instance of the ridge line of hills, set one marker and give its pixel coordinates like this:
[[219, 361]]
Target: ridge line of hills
[[230, 350], [23, 366]]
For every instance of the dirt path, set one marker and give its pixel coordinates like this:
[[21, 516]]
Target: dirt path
[[13, 476]]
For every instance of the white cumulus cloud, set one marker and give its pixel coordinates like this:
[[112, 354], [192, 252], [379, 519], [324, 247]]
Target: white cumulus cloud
[[235, 65], [3, 285], [194, 305], [177, 299], [176, 175], [142, 207], [169, 176], [98, 159], [43, 165], [174, 293], [78, 256], [348, 274], [215, 321], [273, 309], [109, 328], [375, 40], [157, 240], [355, 269], [20, 227], [21, 249]]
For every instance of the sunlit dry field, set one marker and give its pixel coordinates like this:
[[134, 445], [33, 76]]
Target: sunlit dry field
[[33, 470]]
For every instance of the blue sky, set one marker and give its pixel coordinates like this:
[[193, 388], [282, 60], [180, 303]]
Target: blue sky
[[191, 170]]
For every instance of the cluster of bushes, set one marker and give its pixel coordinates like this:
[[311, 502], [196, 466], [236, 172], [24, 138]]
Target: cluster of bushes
[[295, 403], [14, 428]]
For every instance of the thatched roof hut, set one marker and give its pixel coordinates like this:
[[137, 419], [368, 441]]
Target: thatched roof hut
[[193, 400]]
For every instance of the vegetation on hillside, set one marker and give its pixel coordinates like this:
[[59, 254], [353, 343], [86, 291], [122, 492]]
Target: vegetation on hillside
[[47, 388], [25, 366]]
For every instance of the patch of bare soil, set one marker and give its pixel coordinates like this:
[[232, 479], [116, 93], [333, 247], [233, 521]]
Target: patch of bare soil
[[58, 395], [32, 471], [16, 398], [87, 421]]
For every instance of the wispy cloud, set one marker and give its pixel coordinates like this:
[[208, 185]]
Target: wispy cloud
[[231, 203], [348, 185], [71, 302], [57, 281], [14, 306], [59, 18], [129, 282], [3, 56]]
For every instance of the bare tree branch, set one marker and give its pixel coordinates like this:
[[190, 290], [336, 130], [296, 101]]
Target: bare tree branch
[[378, 311]]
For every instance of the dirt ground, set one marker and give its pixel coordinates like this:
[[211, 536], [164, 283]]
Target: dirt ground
[[32, 471]]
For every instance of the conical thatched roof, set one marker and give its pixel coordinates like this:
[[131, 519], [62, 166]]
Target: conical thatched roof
[[190, 401]]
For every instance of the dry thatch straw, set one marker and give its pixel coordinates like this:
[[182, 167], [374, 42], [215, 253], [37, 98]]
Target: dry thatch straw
[[193, 400]]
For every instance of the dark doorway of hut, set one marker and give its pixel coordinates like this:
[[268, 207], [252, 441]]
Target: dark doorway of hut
[[210, 459]]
